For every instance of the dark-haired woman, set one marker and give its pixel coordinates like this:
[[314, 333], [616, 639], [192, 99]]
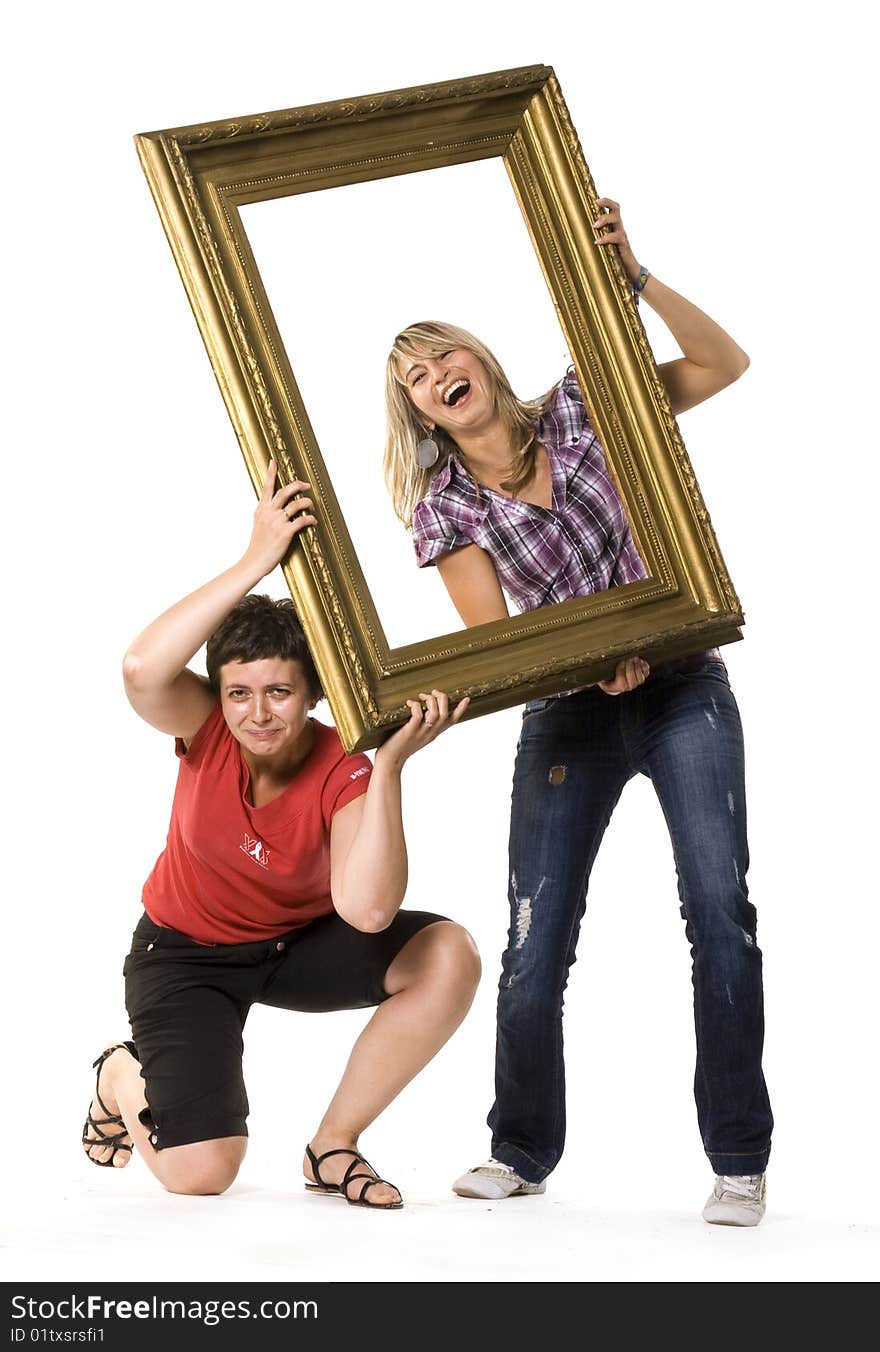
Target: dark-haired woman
[[505, 494], [280, 884]]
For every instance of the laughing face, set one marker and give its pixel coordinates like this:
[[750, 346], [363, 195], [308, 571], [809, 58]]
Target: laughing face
[[452, 391]]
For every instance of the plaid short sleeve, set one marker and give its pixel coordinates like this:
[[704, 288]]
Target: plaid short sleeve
[[435, 533], [567, 413]]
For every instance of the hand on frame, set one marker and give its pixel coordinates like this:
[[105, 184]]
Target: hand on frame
[[629, 675], [429, 716], [615, 234], [280, 515]]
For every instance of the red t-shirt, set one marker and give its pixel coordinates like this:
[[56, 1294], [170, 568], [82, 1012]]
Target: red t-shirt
[[231, 872]]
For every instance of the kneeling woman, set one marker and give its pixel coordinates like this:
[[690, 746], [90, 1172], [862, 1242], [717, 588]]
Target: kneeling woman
[[279, 884]]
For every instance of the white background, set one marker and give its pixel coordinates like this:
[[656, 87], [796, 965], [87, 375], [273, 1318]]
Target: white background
[[736, 138], [439, 244]]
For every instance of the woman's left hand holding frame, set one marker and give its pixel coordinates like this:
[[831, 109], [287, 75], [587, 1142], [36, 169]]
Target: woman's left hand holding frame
[[429, 716]]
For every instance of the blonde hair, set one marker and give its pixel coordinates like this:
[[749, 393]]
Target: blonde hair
[[406, 481]]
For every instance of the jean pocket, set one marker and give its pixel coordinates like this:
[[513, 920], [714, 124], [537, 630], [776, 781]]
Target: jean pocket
[[537, 706], [712, 670], [717, 671]]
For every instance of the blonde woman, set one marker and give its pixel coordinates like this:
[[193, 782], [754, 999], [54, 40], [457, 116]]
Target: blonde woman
[[511, 497]]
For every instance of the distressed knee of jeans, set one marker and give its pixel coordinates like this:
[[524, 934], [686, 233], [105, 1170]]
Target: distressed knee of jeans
[[725, 931], [524, 912], [523, 920], [557, 775], [718, 912]]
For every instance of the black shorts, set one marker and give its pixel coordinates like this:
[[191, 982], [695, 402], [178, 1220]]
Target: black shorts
[[188, 1003]]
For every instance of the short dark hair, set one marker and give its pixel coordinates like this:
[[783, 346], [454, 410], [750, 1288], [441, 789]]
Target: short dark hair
[[259, 627]]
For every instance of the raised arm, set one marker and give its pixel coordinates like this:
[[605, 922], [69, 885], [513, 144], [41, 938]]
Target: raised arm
[[368, 863], [159, 685], [711, 358]]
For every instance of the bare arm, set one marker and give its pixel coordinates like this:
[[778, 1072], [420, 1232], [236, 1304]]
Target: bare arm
[[711, 358], [473, 586], [368, 863], [470, 578], [158, 682]]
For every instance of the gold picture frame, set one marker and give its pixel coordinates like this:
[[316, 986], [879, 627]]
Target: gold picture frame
[[200, 178]]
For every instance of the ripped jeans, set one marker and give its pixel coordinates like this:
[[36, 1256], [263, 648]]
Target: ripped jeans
[[575, 754]]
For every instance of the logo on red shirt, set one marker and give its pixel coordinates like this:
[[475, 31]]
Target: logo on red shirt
[[256, 849]]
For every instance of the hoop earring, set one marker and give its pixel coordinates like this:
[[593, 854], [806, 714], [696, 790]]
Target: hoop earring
[[427, 451]]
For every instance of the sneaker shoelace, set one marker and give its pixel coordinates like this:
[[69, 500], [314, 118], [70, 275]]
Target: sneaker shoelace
[[741, 1187]]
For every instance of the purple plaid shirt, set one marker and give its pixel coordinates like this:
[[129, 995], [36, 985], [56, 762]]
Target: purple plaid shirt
[[581, 545]]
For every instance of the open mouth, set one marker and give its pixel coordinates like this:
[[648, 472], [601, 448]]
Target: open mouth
[[458, 390]]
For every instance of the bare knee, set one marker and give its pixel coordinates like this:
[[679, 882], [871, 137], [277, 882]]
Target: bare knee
[[441, 954], [205, 1168], [460, 956]]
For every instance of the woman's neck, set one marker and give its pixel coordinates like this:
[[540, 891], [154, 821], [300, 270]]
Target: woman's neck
[[488, 451]]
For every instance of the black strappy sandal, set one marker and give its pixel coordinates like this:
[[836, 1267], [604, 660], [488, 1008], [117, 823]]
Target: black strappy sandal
[[114, 1140], [341, 1189]]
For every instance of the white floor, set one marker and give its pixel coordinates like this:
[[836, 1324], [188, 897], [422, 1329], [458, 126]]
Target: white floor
[[147, 497], [117, 1227]]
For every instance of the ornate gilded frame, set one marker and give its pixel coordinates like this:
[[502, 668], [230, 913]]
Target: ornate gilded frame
[[201, 175]]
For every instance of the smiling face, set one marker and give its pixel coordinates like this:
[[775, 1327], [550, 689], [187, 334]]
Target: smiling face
[[452, 390], [266, 706]]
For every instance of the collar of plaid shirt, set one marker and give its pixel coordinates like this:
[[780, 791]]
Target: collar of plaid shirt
[[581, 545]]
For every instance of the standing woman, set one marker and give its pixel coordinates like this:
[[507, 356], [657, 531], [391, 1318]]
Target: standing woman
[[280, 884], [504, 493]]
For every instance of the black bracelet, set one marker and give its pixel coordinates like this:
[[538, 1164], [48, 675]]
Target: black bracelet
[[641, 281]]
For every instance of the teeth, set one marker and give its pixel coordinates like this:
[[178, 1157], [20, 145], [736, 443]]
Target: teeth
[[456, 385]]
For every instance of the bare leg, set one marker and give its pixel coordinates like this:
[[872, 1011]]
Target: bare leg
[[203, 1167], [431, 983]]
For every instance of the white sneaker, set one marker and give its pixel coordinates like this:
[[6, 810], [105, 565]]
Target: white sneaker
[[494, 1180], [737, 1199]]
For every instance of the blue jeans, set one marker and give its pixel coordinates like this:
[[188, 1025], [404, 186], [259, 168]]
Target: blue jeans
[[575, 754]]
